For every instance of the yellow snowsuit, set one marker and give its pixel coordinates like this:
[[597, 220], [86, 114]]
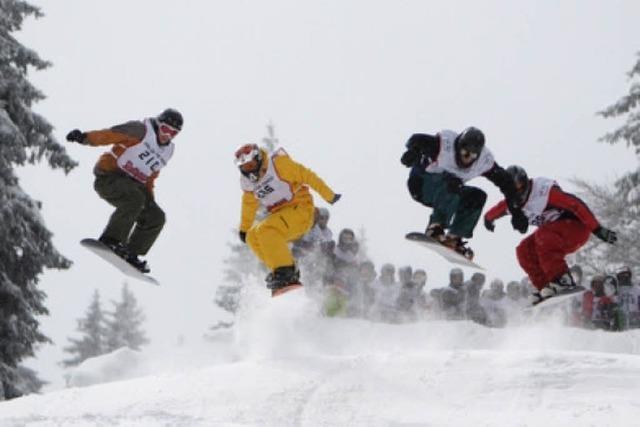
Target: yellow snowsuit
[[288, 220]]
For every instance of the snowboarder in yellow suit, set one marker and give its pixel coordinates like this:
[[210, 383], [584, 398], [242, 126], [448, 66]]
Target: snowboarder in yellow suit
[[281, 186]]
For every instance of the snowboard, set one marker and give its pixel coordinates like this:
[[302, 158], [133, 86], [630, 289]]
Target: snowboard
[[558, 299], [108, 255], [447, 253], [281, 291]]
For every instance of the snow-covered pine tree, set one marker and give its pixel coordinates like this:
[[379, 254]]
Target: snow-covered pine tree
[[25, 243], [91, 343], [618, 206], [270, 141], [124, 323]]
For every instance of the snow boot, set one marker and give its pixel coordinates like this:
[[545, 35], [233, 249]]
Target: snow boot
[[116, 246], [435, 231], [563, 283], [536, 298], [283, 277], [138, 263]]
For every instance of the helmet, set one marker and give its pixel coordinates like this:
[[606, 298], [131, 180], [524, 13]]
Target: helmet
[[625, 269], [346, 237], [478, 278], [455, 272], [471, 140], [623, 274], [405, 274], [497, 285], [387, 269], [323, 213], [171, 117], [513, 289], [521, 182], [420, 277], [249, 161]]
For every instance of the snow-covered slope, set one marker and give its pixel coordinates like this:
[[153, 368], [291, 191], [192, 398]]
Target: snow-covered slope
[[287, 366]]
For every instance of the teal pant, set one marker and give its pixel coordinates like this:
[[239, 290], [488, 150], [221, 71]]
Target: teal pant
[[137, 219], [458, 212]]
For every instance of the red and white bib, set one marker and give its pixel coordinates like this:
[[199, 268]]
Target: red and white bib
[[140, 161]]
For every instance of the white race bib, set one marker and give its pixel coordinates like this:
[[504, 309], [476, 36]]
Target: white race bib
[[535, 207], [446, 160], [270, 190], [140, 161]]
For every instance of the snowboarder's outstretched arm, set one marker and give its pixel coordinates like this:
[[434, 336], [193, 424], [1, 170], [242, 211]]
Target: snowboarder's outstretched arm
[[121, 136], [563, 201], [497, 211], [560, 200], [296, 173], [126, 134], [418, 146], [503, 180]]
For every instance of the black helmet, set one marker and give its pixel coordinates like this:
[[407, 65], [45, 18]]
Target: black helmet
[[521, 182], [518, 174], [171, 117], [471, 139]]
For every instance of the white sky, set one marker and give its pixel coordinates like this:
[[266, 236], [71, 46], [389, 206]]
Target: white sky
[[346, 83]]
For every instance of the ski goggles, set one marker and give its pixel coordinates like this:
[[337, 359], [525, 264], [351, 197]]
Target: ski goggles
[[247, 157], [168, 130]]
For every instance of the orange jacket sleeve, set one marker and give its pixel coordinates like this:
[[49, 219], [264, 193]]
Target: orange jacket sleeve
[[109, 137]]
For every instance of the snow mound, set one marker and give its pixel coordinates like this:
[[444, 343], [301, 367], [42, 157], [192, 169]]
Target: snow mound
[[286, 366], [120, 364]]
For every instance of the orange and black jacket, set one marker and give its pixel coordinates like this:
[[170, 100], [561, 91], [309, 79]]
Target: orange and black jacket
[[120, 137]]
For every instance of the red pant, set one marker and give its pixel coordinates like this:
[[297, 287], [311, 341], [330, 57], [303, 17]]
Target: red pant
[[541, 255]]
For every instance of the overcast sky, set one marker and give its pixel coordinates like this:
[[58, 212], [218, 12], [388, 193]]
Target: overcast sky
[[346, 83]]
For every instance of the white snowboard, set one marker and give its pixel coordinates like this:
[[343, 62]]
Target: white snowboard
[[107, 254], [558, 299], [448, 254]]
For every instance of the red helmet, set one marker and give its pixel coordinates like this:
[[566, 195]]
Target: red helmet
[[248, 158]]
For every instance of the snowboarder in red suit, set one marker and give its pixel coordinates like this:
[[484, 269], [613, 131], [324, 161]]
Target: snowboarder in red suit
[[564, 224]]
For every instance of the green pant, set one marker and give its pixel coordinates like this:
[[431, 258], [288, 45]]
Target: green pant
[[457, 212], [135, 209]]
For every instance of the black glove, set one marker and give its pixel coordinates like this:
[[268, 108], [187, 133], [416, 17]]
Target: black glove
[[76, 135], [489, 225], [454, 184], [519, 221], [606, 235], [336, 197], [243, 236], [410, 157]]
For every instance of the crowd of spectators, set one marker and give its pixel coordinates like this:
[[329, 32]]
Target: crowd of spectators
[[611, 302], [340, 276]]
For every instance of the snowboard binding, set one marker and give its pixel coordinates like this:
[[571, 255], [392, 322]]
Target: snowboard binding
[[283, 279], [458, 245], [123, 252]]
